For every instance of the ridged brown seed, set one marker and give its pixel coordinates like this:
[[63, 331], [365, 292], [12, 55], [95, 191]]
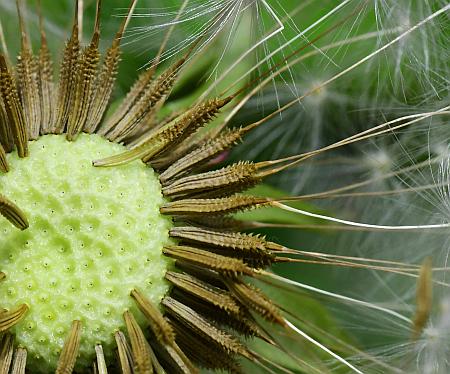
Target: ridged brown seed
[[205, 152], [142, 133], [67, 79], [139, 346], [254, 299], [204, 291], [162, 161], [168, 136], [106, 79], [141, 85], [46, 84], [158, 324], [242, 323], [200, 325], [214, 207], [219, 222], [13, 109], [225, 181], [85, 83], [27, 81], [202, 352], [20, 361], [207, 275], [101, 363], [13, 213], [6, 352], [124, 353], [6, 136], [245, 245], [10, 318], [69, 354], [4, 167], [146, 103], [171, 356], [222, 264], [28, 89], [104, 87], [196, 117]]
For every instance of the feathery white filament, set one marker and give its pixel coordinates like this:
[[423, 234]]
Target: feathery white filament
[[289, 42], [279, 29], [338, 296], [359, 224], [321, 346], [387, 45]]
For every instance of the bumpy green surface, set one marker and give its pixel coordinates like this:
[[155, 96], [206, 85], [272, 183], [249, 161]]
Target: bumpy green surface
[[94, 235]]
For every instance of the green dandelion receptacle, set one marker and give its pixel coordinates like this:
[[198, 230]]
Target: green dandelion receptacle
[[93, 237]]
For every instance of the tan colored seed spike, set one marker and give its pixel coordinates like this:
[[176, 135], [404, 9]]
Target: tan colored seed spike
[[107, 78], [124, 352], [6, 136], [424, 297], [202, 207], [3, 162], [140, 86], [101, 364], [221, 264], [254, 299], [146, 104], [20, 361], [162, 161], [27, 81], [2, 276], [203, 290], [169, 135], [85, 82], [46, 84], [242, 323], [202, 154], [12, 213], [203, 148], [245, 245], [207, 355], [69, 353], [9, 318], [139, 346], [180, 359], [158, 324], [230, 179], [191, 121], [207, 275], [142, 132], [6, 352], [67, 77], [174, 359], [219, 222], [13, 109], [197, 323]]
